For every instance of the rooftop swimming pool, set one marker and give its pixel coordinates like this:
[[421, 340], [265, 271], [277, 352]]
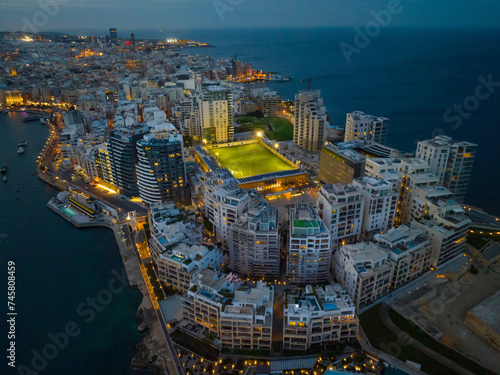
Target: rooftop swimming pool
[[330, 306], [361, 269], [176, 258], [204, 293]]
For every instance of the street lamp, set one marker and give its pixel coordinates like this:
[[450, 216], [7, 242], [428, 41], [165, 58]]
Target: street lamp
[[259, 134]]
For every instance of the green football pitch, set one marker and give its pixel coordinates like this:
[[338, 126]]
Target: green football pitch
[[249, 160]]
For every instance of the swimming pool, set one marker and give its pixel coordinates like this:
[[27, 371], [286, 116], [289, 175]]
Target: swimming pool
[[177, 258], [330, 306], [206, 294], [68, 211]]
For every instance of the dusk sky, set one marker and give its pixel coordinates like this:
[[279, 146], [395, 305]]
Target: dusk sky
[[172, 14]]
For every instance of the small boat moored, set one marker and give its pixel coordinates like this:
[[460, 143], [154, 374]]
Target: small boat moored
[[20, 150], [4, 169], [4, 179], [22, 143]]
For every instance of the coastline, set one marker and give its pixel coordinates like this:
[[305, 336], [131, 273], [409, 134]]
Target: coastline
[[152, 354]]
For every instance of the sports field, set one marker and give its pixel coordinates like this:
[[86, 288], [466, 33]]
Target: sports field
[[248, 160]]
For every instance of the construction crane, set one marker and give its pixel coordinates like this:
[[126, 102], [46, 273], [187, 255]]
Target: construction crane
[[308, 83]]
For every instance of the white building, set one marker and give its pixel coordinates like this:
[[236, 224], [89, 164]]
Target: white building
[[451, 161], [216, 114], [224, 201], [410, 252], [341, 209], [309, 255], [362, 126], [209, 292], [380, 204], [310, 120], [364, 270], [443, 221], [247, 322], [255, 244], [318, 315]]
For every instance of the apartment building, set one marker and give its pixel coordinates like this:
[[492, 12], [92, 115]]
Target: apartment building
[[380, 204], [362, 126], [255, 244], [341, 208], [317, 315], [365, 272], [310, 120], [339, 165], [451, 161], [308, 256], [247, 322]]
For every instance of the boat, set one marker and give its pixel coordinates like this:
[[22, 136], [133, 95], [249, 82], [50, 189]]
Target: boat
[[22, 143], [4, 169], [20, 150], [31, 118], [3, 111], [4, 179], [277, 78], [43, 121]]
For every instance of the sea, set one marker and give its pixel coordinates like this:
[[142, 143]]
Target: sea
[[415, 77], [57, 269]]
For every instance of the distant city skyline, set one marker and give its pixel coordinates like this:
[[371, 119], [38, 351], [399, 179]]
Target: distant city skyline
[[58, 15]]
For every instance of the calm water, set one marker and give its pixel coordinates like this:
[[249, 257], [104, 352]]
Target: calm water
[[410, 76], [57, 268]]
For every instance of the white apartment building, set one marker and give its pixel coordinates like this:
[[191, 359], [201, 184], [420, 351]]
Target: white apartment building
[[362, 126], [451, 161], [216, 114], [410, 252], [318, 315], [247, 322], [254, 242], [443, 221], [380, 204], [224, 201], [341, 208], [209, 292], [308, 256], [310, 120], [365, 272]]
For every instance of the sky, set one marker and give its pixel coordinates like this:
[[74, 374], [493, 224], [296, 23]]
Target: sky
[[51, 15]]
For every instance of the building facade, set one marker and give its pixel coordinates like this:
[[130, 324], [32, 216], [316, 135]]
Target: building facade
[[161, 174], [451, 161], [362, 126], [341, 208], [310, 120], [338, 165], [308, 257], [318, 315]]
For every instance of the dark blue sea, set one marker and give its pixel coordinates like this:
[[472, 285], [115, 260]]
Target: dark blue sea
[[57, 267], [411, 76]]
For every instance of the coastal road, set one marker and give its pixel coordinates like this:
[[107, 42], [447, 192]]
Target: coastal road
[[159, 314]]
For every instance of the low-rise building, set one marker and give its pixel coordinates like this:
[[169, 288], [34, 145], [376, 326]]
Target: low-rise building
[[318, 315]]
